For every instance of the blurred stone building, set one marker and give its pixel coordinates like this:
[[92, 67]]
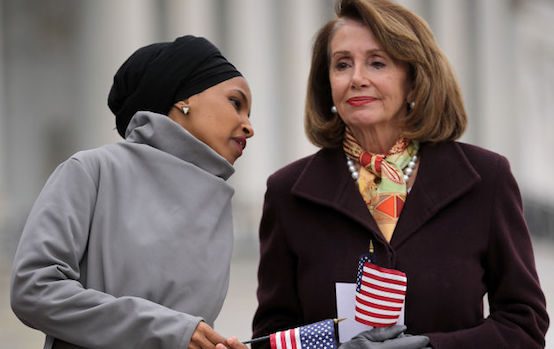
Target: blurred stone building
[[58, 57]]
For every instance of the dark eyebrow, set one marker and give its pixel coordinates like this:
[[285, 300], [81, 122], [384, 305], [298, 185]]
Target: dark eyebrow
[[340, 53], [372, 51], [243, 95]]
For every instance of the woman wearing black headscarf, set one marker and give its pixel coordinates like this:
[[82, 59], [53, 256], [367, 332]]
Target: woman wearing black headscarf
[[129, 245]]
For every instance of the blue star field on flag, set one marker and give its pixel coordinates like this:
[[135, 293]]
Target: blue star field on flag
[[319, 335], [363, 259]]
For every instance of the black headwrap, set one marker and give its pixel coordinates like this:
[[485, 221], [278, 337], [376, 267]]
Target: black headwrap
[[158, 75]]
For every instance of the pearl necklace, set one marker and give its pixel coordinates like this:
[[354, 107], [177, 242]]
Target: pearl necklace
[[408, 170]]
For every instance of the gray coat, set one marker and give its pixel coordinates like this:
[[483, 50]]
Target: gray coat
[[128, 245]]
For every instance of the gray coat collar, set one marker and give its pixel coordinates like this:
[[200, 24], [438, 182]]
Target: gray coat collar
[[162, 133]]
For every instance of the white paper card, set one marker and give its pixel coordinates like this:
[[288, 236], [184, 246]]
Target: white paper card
[[346, 298]]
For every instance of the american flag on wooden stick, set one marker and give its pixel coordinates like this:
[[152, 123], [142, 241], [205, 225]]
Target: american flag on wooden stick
[[319, 335], [380, 294]]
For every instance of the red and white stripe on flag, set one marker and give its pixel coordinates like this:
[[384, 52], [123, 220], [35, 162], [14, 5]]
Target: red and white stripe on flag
[[380, 296], [289, 339]]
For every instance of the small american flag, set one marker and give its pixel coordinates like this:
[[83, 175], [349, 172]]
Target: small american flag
[[380, 294], [319, 335]]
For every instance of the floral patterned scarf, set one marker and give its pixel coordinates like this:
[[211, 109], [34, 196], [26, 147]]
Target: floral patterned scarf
[[381, 180]]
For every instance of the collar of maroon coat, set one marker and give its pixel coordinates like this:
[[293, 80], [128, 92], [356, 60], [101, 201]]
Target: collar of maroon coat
[[444, 174]]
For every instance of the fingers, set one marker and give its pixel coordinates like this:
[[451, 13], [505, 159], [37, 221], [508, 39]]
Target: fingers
[[358, 343], [212, 335], [383, 333], [234, 343], [408, 342], [199, 341], [204, 337]]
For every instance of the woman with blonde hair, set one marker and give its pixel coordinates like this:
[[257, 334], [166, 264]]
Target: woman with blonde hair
[[392, 185]]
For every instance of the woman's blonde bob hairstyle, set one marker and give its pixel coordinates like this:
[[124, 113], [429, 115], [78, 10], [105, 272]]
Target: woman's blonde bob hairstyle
[[439, 113]]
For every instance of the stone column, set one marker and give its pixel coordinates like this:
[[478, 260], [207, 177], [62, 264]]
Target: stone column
[[3, 131], [299, 23], [250, 39], [496, 79], [40, 76], [533, 81], [111, 31], [453, 30], [194, 17]]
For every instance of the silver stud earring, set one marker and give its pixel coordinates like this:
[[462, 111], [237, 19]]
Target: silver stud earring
[[412, 105], [186, 110], [334, 110]]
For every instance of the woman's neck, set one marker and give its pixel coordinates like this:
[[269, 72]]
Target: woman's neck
[[375, 139]]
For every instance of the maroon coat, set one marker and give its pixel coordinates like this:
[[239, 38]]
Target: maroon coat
[[461, 235]]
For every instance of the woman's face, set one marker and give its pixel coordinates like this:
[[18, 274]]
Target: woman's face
[[368, 87], [219, 117]]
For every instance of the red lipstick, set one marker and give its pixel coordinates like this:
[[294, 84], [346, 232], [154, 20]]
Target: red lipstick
[[360, 100]]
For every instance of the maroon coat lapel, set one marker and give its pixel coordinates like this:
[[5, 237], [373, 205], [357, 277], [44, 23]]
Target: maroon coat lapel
[[444, 175], [327, 181]]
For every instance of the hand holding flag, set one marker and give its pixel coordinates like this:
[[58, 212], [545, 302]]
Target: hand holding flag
[[319, 335]]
